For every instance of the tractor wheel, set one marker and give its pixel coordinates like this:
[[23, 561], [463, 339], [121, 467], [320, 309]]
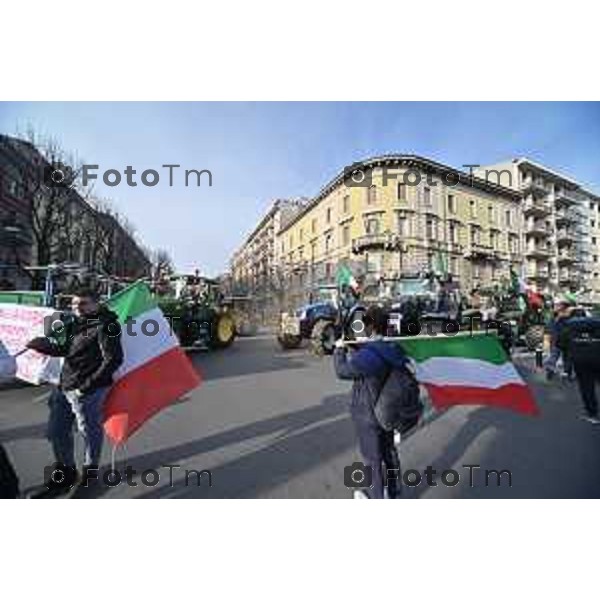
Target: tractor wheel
[[323, 338], [534, 337], [288, 341], [223, 331]]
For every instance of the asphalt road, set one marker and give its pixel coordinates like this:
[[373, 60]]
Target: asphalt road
[[274, 424]]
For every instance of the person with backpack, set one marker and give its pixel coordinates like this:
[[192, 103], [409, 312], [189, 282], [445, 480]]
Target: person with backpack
[[579, 339], [384, 398]]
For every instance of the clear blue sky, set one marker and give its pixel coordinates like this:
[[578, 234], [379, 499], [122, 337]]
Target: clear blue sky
[[261, 151]]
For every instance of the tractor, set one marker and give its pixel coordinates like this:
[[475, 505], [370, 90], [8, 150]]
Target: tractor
[[332, 312], [196, 309]]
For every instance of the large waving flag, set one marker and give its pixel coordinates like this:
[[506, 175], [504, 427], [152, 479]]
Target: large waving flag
[[468, 369], [155, 371]]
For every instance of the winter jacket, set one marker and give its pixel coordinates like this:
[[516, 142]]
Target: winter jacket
[[92, 351], [368, 367], [580, 340]]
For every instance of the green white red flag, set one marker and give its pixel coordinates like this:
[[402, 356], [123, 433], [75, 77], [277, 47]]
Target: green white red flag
[[155, 370], [468, 369]]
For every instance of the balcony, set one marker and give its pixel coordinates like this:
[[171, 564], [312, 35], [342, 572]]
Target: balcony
[[539, 273], [538, 229], [566, 276], [535, 187], [538, 208], [564, 237], [564, 198], [375, 241], [538, 252], [481, 251], [564, 217], [566, 258]]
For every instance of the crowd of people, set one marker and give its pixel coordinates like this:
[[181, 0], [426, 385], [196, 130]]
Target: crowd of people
[[92, 353]]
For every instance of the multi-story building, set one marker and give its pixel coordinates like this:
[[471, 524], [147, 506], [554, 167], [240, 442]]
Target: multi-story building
[[15, 209], [590, 252], [253, 267], [41, 224], [555, 209], [408, 214]]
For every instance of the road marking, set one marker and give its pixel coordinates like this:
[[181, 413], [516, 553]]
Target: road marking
[[41, 398]]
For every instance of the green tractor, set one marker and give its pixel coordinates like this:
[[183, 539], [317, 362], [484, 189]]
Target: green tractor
[[197, 311]]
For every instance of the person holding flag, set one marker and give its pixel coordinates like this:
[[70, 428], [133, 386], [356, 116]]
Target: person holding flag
[[92, 351]]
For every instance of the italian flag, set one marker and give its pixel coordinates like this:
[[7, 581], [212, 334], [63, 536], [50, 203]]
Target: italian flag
[[155, 370], [468, 369]]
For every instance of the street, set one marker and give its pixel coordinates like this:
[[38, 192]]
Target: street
[[274, 424]]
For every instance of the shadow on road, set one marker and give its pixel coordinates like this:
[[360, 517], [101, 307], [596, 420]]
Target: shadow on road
[[25, 432], [306, 439], [236, 360], [545, 455]]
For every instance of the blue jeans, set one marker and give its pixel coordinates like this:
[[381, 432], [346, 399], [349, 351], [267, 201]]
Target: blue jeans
[[87, 413]]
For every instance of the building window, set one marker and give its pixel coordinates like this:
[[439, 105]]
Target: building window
[[313, 226], [427, 196], [328, 243], [475, 235], [372, 226], [476, 271], [372, 194], [328, 215], [401, 191], [508, 218], [451, 204], [595, 258], [453, 231], [346, 235], [594, 240], [346, 204], [473, 209], [282, 246], [403, 225], [454, 265], [291, 241], [491, 214], [593, 223], [301, 234], [430, 228]]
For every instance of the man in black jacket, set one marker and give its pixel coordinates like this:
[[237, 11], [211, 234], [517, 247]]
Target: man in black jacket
[[580, 340], [91, 347]]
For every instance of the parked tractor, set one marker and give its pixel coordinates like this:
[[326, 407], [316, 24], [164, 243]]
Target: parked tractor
[[196, 309]]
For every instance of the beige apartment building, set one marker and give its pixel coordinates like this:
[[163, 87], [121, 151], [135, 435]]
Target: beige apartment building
[[407, 215], [558, 243], [253, 270]]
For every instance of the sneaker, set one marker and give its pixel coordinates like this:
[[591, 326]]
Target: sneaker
[[360, 495], [593, 419], [549, 375]]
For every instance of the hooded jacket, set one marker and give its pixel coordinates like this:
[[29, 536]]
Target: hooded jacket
[[92, 351], [368, 368]]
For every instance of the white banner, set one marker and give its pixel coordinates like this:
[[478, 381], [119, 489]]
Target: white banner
[[19, 324]]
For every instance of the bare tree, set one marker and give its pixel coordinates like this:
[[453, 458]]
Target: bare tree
[[162, 263]]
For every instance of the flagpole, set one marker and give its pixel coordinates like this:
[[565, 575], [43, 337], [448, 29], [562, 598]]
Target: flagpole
[[398, 338]]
